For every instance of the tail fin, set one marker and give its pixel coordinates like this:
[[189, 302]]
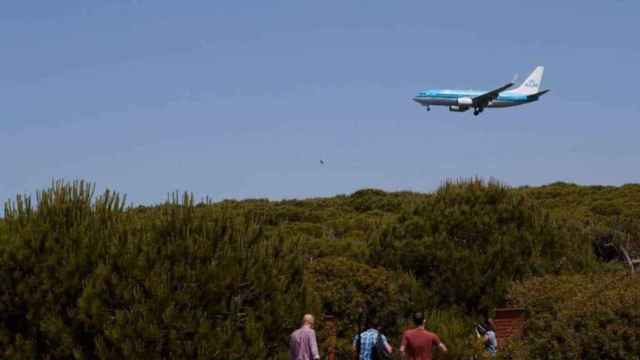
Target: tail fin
[[532, 84]]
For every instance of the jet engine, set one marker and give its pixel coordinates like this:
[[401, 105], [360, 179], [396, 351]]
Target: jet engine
[[466, 101], [456, 108]]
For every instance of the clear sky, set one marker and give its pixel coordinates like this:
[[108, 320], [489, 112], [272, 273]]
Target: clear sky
[[238, 99]]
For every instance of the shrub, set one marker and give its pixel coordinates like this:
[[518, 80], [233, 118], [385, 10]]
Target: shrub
[[84, 279], [353, 292], [471, 239], [457, 332], [594, 316]]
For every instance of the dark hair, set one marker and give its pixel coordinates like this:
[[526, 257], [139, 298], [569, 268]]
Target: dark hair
[[372, 320], [418, 318], [481, 329], [490, 325]]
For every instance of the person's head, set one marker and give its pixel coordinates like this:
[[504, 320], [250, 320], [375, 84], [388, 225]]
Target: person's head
[[418, 319], [372, 322], [490, 325], [308, 320], [481, 329]]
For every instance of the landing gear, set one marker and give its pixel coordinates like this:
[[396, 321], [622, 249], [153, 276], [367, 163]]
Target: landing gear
[[428, 108], [477, 111]]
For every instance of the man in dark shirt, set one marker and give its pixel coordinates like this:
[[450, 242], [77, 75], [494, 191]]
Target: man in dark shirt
[[418, 343]]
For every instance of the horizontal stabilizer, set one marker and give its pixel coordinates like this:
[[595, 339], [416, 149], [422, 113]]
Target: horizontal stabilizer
[[538, 94]]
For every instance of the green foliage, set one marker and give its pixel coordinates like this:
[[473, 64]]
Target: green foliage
[[471, 239], [456, 331], [610, 215], [83, 276], [594, 316], [355, 293], [85, 279], [589, 202]]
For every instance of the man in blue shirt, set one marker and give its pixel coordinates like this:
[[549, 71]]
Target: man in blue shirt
[[366, 342]]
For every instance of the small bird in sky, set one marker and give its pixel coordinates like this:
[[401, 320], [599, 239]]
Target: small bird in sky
[[321, 162]]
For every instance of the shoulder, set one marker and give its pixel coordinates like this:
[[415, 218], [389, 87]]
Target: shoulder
[[369, 334], [309, 334], [303, 332], [433, 335], [411, 334]]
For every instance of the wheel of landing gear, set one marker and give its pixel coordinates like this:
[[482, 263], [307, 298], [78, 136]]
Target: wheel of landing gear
[[476, 112]]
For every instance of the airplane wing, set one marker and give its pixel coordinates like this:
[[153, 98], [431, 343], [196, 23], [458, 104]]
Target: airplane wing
[[484, 99]]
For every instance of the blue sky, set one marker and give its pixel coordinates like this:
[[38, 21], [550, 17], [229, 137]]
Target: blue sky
[[238, 99]]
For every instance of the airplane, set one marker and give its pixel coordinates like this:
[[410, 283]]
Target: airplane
[[463, 100]]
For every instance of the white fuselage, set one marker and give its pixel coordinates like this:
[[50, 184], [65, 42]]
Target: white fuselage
[[463, 98]]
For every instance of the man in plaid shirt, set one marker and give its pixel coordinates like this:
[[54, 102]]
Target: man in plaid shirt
[[366, 342]]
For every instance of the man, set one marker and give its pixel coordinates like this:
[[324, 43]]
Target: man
[[489, 338], [364, 344], [302, 343], [418, 343]]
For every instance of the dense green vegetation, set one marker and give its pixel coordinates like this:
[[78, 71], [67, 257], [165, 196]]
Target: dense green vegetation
[[85, 276], [589, 316]]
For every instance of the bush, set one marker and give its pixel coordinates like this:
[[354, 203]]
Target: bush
[[354, 292], [84, 279], [471, 239], [456, 331], [595, 316]]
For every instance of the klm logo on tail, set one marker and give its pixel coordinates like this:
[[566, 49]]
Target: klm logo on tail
[[532, 84]]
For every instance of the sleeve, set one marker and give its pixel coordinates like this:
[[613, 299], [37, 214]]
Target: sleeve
[[436, 340], [291, 347], [314, 346]]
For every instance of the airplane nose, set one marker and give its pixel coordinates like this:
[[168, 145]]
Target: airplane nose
[[418, 100]]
